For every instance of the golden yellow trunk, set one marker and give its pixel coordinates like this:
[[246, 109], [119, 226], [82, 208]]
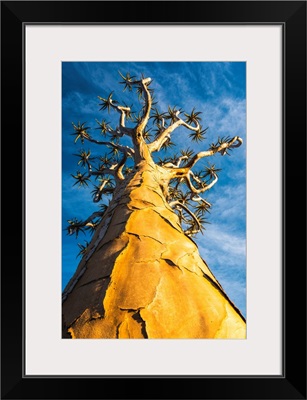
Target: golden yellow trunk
[[142, 277]]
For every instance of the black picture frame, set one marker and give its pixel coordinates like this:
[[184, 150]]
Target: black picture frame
[[292, 383]]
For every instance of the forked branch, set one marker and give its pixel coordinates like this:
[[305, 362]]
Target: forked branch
[[123, 110], [165, 135], [143, 84]]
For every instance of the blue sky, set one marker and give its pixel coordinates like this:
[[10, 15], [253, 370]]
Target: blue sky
[[218, 90]]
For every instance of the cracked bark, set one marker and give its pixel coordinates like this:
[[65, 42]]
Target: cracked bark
[[143, 277]]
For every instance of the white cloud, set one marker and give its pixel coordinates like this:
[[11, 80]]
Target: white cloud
[[226, 116], [225, 253], [231, 203], [80, 104], [224, 242]]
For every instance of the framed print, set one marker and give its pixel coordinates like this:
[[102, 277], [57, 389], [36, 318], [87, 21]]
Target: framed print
[[115, 194]]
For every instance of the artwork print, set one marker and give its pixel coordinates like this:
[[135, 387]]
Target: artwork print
[[154, 200]]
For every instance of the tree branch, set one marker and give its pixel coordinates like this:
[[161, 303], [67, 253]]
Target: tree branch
[[72, 228], [123, 130], [178, 162], [123, 110], [158, 142], [123, 149], [204, 188], [147, 107], [99, 192], [188, 232], [216, 149], [200, 199], [115, 169], [120, 166], [110, 171]]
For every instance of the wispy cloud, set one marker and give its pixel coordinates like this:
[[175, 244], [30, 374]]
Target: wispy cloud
[[77, 103], [225, 253], [230, 207], [224, 243]]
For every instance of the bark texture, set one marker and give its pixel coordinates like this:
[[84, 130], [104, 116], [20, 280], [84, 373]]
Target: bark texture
[[142, 277]]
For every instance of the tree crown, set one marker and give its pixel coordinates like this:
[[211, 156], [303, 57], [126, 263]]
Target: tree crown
[[145, 134]]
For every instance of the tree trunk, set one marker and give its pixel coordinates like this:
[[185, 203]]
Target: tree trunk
[[142, 277]]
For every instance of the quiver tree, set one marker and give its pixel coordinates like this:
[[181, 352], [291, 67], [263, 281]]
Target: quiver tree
[[141, 275]]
